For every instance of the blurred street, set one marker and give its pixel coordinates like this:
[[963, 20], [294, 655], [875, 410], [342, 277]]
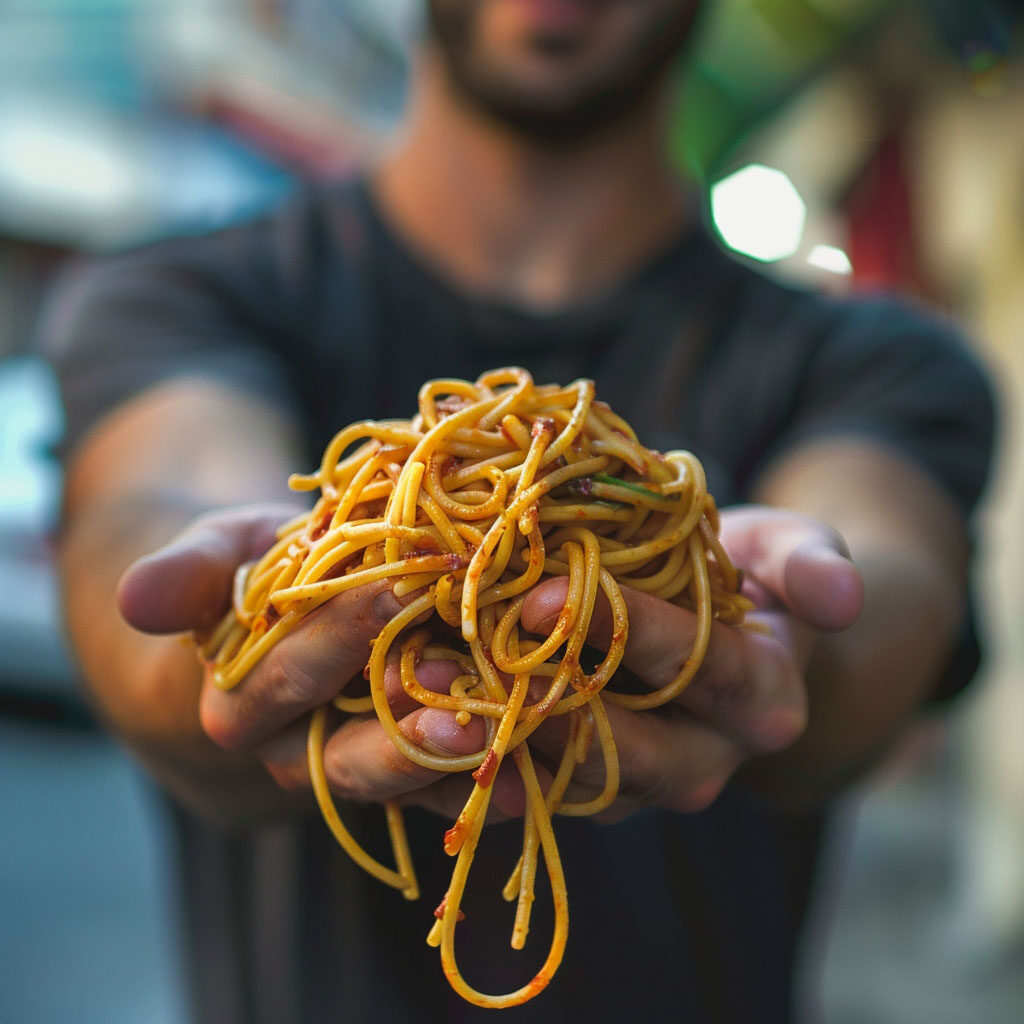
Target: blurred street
[[86, 929]]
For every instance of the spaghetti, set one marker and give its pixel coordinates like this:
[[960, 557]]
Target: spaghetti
[[491, 487]]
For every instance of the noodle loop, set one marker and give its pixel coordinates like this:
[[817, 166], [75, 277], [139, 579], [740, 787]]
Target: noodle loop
[[490, 488]]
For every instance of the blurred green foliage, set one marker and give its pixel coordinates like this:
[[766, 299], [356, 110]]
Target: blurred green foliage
[[752, 55]]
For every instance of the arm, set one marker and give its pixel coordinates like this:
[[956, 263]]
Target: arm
[[148, 553], [850, 687], [909, 541], [852, 651], [133, 483], [851, 654]]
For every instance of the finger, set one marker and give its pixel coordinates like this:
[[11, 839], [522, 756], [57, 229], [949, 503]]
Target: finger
[[675, 762], [360, 761], [795, 636], [678, 763], [448, 795], [186, 584], [671, 761], [305, 669], [434, 675], [363, 764], [803, 563], [285, 758], [748, 685]]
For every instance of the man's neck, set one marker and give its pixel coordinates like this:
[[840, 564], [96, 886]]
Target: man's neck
[[538, 226]]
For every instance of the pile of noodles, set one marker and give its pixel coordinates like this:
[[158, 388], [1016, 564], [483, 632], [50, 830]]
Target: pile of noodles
[[490, 488]]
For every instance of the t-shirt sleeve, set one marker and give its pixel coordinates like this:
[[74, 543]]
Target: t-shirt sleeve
[[215, 306], [890, 372]]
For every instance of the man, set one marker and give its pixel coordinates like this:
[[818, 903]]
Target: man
[[527, 214]]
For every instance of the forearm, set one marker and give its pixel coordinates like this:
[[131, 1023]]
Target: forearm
[[130, 490], [864, 684], [145, 689]]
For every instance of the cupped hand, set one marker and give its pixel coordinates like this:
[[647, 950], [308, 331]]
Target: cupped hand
[[749, 697], [186, 586]]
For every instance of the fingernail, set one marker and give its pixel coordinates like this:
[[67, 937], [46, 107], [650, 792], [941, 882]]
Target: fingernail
[[437, 733], [545, 625]]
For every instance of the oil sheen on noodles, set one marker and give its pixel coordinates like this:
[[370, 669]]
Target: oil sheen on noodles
[[490, 488]]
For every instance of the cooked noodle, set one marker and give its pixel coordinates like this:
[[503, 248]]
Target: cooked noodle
[[492, 487]]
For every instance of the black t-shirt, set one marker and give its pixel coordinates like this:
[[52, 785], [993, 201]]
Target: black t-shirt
[[322, 308]]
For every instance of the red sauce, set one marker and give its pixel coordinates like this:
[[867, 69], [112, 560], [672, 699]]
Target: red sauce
[[543, 425], [442, 906], [450, 464], [538, 984], [484, 775], [323, 522], [341, 566], [266, 618], [427, 548], [453, 403], [456, 835]]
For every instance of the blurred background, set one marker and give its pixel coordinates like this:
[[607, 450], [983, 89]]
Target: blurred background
[[854, 144]]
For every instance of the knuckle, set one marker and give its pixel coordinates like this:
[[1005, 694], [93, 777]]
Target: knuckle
[[725, 683], [781, 727], [286, 682], [224, 730], [718, 679], [345, 780], [342, 631], [361, 775], [784, 717], [635, 771]]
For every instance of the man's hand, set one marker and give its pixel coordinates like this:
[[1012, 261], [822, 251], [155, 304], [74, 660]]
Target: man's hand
[[186, 586], [749, 696]]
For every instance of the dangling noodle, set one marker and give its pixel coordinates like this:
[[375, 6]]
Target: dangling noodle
[[493, 486]]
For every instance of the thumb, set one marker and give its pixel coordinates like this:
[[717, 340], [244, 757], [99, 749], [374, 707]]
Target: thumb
[[802, 563], [186, 584]]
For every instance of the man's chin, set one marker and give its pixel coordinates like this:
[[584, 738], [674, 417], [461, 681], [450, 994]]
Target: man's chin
[[544, 119], [560, 86]]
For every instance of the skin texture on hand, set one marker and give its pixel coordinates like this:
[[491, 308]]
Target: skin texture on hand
[[749, 696], [747, 699]]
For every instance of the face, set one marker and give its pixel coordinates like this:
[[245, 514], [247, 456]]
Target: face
[[560, 70]]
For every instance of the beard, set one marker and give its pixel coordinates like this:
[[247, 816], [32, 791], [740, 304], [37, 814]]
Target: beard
[[598, 98]]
